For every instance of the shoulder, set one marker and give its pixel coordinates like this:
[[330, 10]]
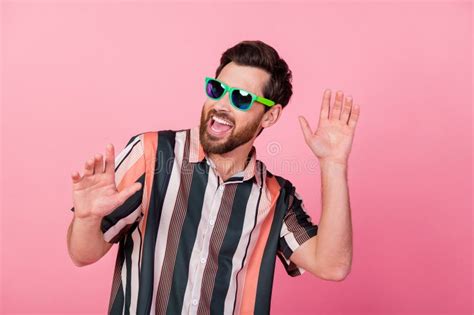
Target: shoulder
[[163, 131], [164, 134], [284, 183], [279, 186]]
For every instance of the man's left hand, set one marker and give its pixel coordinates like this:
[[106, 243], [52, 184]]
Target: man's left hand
[[332, 140]]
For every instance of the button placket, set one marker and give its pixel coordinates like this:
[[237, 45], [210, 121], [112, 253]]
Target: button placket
[[205, 242]]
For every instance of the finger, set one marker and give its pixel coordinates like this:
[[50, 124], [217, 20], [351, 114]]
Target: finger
[[127, 192], [99, 164], [325, 105], [355, 112], [307, 132], [89, 167], [346, 109], [335, 111], [110, 159], [76, 177]]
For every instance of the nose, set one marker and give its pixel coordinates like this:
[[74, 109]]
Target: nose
[[223, 103]]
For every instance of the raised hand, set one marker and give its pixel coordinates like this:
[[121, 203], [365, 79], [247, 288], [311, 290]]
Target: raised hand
[[95, 194], [332, 140]]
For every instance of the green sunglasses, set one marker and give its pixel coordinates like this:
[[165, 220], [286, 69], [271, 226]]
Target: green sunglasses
[[239, 98]]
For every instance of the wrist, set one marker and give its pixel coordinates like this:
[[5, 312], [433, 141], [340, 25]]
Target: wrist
[[88, 219], [333, 164]]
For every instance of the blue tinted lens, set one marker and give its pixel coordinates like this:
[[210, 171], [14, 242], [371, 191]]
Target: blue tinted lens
[[241, 99], [214, 89]]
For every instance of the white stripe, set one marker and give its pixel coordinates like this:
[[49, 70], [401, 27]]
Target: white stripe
[[124, 152], [124, 281], [115, 229], [135, 274], [128, 161], [289, 237], [167, 211], [293, 244]]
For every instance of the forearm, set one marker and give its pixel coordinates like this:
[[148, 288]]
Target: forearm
[[85, 241], [334, 246]]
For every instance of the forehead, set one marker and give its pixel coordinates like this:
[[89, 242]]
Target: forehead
[[248, 78]]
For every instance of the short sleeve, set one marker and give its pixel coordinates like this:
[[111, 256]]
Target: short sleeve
[[296, 229], [129, 168]]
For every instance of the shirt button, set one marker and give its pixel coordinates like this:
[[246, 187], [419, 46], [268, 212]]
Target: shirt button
[[221, 187], [211, 222], [195, 302], [203, 260]]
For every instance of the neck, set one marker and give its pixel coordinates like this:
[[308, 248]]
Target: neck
[[227, 164]]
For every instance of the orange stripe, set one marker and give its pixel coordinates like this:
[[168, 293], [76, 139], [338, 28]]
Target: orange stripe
[[150, 143], [253, 269], [132, 174]]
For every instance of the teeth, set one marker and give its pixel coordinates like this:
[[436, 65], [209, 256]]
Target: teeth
[[222, 121]]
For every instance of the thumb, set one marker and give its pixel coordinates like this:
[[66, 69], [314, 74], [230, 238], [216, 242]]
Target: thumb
[[307, 132], [129, 191]]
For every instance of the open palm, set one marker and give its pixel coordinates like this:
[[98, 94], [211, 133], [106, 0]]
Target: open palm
[[332, 140], [95, 194]]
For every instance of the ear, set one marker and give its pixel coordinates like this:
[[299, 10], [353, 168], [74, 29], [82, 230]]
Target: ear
[[272, 115]]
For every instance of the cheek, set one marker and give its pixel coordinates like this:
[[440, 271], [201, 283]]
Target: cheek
[[245, 120], [239, 118], [206, 107]]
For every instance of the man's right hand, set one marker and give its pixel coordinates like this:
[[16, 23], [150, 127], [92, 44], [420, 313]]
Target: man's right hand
[[95, 194]]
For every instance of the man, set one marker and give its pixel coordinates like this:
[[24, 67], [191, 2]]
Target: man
[[199, 220]]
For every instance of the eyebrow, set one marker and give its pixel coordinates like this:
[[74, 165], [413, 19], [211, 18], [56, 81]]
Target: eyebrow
[[248, 90]]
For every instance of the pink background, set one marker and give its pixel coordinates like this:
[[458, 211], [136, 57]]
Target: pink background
[[77, 75]]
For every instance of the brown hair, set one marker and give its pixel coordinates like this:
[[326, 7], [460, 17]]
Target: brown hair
[[258, 54]]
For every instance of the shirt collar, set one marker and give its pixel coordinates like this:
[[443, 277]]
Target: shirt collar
[[197, 154]]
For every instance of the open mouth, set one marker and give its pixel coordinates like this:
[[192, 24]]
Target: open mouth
[[219, 127]]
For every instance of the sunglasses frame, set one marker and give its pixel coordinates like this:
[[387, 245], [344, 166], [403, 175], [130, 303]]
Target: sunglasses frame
[[260, 99]]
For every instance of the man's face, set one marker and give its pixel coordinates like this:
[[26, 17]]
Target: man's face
[[217, 137]]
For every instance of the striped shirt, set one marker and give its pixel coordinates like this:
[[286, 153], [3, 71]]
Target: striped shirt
[[190, 243]]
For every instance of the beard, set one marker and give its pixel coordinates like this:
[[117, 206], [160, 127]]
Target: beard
[[237, 137]]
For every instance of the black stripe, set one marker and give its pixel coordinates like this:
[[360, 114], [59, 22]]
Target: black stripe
[[267, 267], [234, 178], [291, 268], [229, 246], [140, 253], [128, 248], [116, 295], [188, 235], [285, 248], [130, 205], [303, 218], [164, 155], [248, 243], [117, 307]]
